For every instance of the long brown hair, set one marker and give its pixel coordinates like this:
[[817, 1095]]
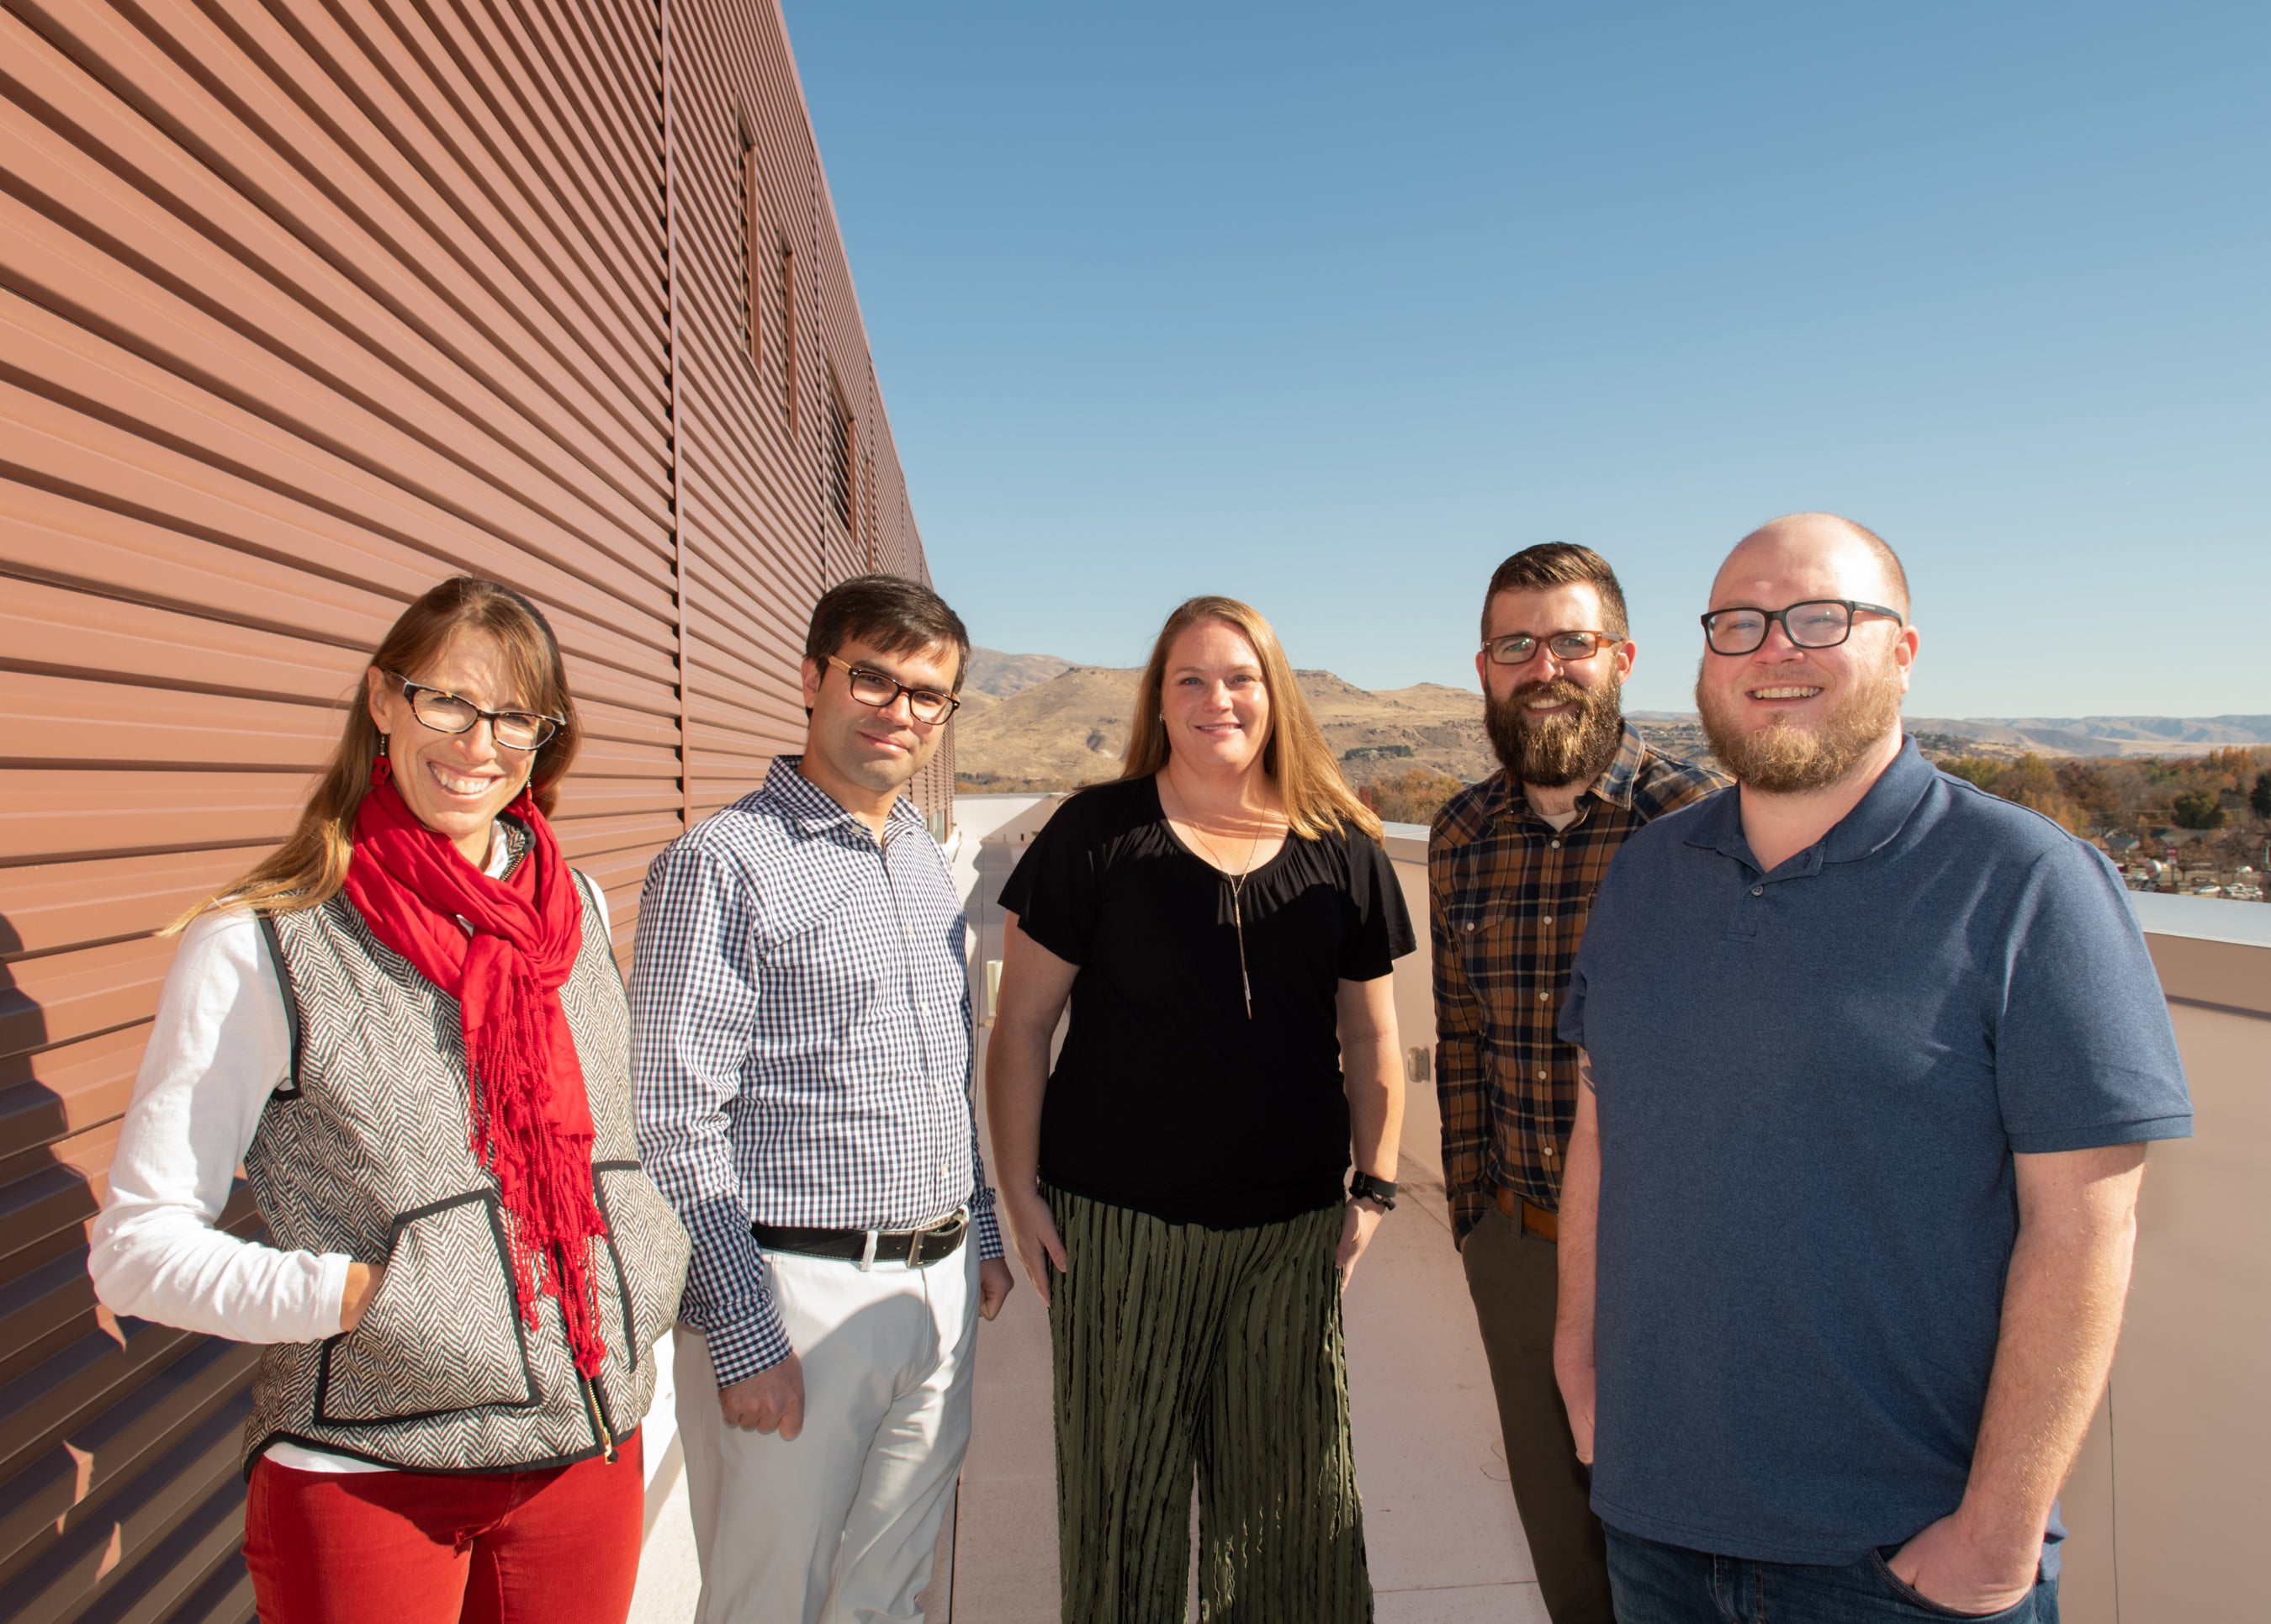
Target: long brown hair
[[310, 867], [1317, 799]]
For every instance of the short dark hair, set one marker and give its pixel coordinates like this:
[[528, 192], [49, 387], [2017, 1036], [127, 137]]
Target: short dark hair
[[1559, 564], [891, 614]]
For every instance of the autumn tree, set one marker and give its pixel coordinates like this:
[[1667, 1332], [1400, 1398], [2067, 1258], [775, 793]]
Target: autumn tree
[[2234, 764], [1412, 796], [2034, 784], [1975, 770], [2198, 808]]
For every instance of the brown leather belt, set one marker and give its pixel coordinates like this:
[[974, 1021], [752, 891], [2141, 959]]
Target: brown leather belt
[[1538, 1220]]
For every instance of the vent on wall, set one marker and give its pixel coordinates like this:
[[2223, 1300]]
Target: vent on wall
[[756, 259], [785, 296], [840, 429]]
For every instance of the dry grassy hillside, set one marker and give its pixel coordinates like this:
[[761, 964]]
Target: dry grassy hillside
[[1072, 730], [1059, 731]]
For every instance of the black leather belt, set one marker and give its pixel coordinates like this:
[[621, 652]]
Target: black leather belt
[[915, 1248]]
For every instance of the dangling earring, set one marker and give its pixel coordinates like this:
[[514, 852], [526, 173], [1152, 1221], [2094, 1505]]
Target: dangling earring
[[382, 746]]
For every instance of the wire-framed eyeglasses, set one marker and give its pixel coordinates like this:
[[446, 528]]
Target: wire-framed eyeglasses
[[925, 705], [447, 713], [1817, 623], [1519, 648]]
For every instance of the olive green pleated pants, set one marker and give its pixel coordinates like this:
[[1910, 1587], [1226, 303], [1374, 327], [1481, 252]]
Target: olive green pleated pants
[[1181, 1350]]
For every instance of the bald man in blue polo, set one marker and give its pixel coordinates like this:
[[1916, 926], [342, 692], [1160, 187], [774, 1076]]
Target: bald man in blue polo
[[1871, 1059]]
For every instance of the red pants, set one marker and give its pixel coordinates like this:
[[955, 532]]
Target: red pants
[[560, 1545]]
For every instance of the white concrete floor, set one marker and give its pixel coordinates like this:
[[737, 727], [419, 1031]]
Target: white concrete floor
[[1445, 1543]]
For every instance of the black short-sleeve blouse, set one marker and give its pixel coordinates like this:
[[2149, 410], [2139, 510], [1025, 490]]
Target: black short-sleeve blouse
[[1166, 1097]]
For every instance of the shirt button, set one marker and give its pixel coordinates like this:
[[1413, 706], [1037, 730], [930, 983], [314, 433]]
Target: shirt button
[[1549, 1147], [1549, 918], [1758, 890], [1470, 927], [1556, 844], [1541, 1075], [1541, 997]]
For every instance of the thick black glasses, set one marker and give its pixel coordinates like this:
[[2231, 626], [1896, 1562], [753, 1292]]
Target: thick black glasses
[[1519, 648], [446, 712], [925, 705], [1818, 623]]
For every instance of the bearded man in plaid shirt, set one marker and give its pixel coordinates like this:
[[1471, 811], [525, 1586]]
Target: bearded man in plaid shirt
[[1512, 866]]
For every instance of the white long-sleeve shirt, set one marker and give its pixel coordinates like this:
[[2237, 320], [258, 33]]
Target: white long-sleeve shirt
[[220, 1047]]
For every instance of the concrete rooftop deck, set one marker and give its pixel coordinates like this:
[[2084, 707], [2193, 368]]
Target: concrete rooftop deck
[[1445, 1545]]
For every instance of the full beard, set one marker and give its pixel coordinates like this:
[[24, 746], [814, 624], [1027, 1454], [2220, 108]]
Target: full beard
[[1551, 752], [1781, 759]]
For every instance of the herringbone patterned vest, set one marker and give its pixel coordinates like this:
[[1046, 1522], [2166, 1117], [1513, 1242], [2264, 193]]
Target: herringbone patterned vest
[[365, 1152]]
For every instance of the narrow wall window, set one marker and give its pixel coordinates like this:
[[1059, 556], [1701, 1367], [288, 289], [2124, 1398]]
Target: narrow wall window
[[840, 493], [867, 514], [753, 261], [785, 294]]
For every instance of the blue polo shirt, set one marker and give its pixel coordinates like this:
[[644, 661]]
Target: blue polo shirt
[[1810, 1084]]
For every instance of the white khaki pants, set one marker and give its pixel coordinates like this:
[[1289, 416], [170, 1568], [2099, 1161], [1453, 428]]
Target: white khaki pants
[[839, 1524]]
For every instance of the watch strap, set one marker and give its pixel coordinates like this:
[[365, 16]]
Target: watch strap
[[1364, 1187]]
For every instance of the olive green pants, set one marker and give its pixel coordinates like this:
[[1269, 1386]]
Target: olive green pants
[[1183, 1351]]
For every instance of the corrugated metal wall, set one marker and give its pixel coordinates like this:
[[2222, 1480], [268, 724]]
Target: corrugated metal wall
[[303, 307]]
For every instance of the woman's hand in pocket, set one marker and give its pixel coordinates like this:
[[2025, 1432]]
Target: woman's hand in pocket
[[363, 1280], [1033, 1233]]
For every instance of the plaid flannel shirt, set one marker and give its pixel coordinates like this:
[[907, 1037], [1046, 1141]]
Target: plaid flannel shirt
[[1508, 898]]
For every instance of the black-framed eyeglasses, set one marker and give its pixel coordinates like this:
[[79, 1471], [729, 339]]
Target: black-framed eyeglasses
[[446, 712], [1817, 623], [1519, 648], [925, 705]]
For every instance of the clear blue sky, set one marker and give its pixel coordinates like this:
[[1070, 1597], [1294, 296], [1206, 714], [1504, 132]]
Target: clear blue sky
[[1331, 307]]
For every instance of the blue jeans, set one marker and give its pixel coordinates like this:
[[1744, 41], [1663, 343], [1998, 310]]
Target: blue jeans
[[1663, 1584]]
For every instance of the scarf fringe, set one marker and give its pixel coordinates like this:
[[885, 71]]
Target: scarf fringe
[[543, 1175]]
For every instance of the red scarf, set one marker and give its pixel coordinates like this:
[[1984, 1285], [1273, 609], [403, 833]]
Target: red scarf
[[532, 1120]]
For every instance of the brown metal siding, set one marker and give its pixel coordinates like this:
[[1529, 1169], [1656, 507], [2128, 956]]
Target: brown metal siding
[[303, 307]]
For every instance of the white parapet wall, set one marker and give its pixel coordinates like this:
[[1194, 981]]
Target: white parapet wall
[[2174, 1484]]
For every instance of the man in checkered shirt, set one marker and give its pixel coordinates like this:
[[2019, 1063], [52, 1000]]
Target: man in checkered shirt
[[1512, 866], [800, 1049]]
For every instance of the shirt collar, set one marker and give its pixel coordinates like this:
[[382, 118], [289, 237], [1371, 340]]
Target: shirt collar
[[1614, 785], [813, 810], [1879, 815]]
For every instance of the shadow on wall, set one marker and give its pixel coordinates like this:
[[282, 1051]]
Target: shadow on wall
[[119, 1486]]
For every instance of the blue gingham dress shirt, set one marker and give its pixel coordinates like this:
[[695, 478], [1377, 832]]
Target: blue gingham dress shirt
[[800, 1044]]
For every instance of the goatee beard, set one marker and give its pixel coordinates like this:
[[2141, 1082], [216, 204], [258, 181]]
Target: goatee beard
[[1555, 751], [1783, 760]]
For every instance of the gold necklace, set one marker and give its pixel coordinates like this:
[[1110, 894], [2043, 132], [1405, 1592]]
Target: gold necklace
[[1237, 912]]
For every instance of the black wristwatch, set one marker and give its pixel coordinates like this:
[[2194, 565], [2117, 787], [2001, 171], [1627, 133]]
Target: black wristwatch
[[1364, 1187]]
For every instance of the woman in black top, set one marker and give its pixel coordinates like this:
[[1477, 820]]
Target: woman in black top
[[1223, 921]]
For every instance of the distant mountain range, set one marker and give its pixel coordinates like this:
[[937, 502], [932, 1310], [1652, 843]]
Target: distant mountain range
[[1035, 721], [2070, 736], [1024, 726]]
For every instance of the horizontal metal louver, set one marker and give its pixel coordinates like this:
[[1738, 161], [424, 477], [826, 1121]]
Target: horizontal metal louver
[[304, 307]]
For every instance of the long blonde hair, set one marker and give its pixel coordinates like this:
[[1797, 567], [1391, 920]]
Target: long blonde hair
[[310, 867], [1317, 799]]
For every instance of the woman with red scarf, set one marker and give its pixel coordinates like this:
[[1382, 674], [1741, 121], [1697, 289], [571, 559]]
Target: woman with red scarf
[[406, 1025]]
